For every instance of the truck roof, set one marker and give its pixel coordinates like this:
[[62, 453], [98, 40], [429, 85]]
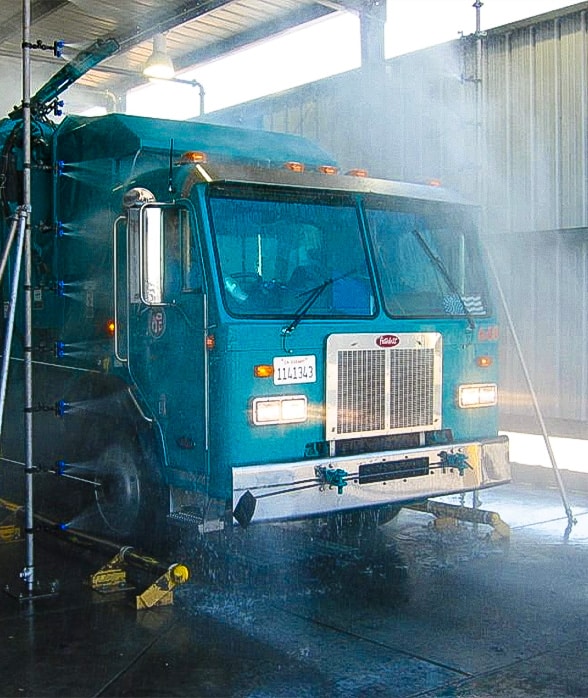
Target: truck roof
[[117, 135]]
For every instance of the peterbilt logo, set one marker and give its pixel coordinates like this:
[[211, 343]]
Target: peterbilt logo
[[387, 340]]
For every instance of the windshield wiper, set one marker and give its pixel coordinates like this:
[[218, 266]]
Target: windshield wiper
[[313, 295], [446, 275]]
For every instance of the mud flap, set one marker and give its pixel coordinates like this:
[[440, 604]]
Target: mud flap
[[243, 512]]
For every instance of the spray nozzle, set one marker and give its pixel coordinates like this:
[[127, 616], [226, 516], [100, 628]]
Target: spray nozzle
[[61, 407]]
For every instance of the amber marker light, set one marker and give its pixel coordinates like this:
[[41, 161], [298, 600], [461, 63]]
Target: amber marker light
[[193, 157], [263, 371], [434, 182], [357, 172], [484, 361], [210, 342], [328, 169], [110, 327], [294, 166]]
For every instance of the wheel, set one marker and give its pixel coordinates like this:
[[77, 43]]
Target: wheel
[[118, 490], [129, 499], [387, 513], [358, 526], [367, 518]]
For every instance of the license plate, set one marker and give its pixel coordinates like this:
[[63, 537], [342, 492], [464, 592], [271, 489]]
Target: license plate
[[294, 369]]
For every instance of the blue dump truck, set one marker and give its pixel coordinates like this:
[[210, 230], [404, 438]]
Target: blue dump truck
[[227, 329]]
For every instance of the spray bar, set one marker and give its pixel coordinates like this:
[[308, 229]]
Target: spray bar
[[70, 73]]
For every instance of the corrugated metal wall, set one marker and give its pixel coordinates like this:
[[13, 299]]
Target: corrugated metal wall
[[525, 102], [534, 86], [534, 166]]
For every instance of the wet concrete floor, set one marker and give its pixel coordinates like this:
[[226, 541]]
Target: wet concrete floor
[[428, 611]]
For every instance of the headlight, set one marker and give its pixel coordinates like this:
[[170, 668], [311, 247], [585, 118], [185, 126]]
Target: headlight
[[280, 410], [478, 395]]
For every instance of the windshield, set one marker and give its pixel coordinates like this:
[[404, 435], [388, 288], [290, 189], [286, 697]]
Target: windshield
[[428, 261], [274, 253]]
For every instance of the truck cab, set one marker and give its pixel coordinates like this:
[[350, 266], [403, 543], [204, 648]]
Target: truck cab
[[286, 340]]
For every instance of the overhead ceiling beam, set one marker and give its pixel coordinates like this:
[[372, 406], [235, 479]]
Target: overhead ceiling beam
[[356, 6], [258, 33], [218, 48], [166, 19]]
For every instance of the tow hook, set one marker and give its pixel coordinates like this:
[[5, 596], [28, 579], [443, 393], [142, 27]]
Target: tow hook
[[333, 477], [459, 461]]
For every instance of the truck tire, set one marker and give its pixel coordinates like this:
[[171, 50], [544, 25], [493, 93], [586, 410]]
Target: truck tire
[[357, 524], [129, 499], [119, 488]]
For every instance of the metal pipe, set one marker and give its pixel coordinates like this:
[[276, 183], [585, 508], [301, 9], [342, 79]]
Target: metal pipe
[[478, 6], [537, 408], [200, 87], [478, 106], [8, 246], [19, 223], [128, 553], [583, 116], [28, 573]]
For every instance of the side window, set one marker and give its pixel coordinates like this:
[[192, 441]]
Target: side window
[[191, 265], [181, 260]]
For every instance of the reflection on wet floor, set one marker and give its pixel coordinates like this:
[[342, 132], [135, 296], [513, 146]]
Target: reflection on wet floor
[[540, 512], [287, 610]]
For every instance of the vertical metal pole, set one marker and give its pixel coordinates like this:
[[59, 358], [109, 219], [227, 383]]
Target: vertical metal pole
[[478, 137], [28, 573], [9, 243], [21, 223], [479, 142], [478, 97], [536, 407], [478, 6]]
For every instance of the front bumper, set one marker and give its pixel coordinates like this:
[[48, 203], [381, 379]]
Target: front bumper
[[280, 491]]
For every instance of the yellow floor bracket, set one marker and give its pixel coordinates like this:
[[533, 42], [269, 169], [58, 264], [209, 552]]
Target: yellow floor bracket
[[161, 592], [10, 531], [443, 511], [112, 576]]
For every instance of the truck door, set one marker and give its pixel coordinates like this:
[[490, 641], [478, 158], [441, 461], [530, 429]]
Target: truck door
[[162, 337]]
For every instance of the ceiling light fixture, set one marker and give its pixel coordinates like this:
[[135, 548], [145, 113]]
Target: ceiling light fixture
[[159, 64]]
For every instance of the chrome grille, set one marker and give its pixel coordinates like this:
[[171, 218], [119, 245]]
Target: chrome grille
[[411, 387], [361, 397], [374, 390]]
